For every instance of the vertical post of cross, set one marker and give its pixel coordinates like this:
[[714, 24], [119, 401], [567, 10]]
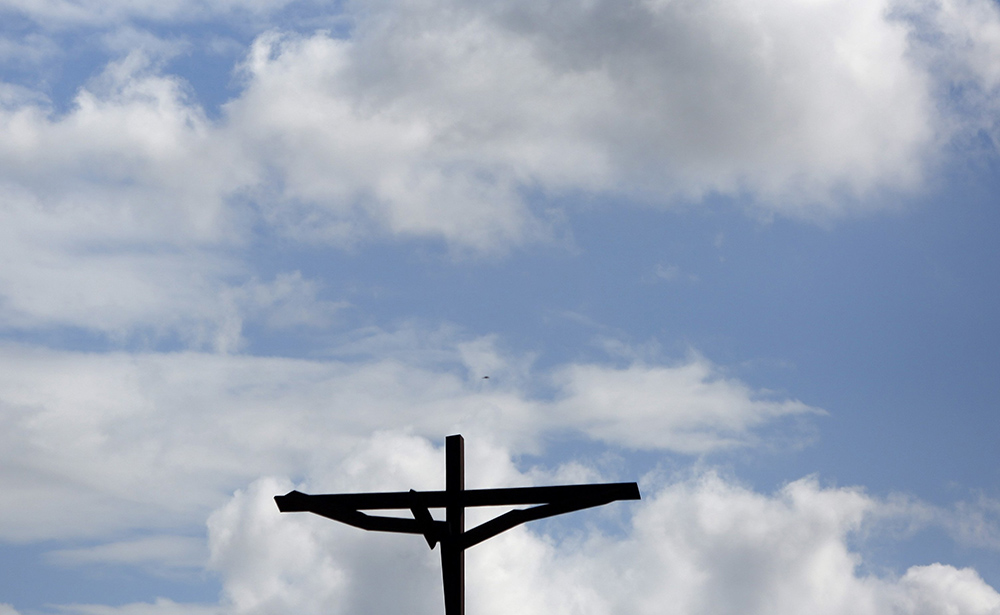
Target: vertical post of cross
[[452, 550]]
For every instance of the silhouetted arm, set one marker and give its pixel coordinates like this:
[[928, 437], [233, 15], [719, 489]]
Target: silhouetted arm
[[514, 518], [300, 502]]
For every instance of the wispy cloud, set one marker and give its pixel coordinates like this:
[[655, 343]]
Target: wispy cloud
[[158, 553], [94, 443]]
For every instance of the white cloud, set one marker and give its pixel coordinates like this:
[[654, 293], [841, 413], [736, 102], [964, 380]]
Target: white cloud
[[29, 50], [113, 214], [94, 444], [159, 553], [702, 546], [126, 213], [928, 590], [689, 407], [64, 13], [132, 158], [118, 218], [162, 606], [434, 115], [959, 41], [307, 567]]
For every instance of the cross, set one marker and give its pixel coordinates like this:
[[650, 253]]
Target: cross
[[451, 533]]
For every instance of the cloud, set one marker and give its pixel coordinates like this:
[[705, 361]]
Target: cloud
[[808, 107], [943, 589], [438, 119], [65, 13], [157, 552], [119, 219], [689, 408], [129, 215], [958, 41], [132, 156], [99, 444], [320, 569], [113, 214], [702, 545], [162, 606]]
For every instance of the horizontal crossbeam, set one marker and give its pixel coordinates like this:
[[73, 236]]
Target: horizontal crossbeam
[[451, 533], [295, 501]]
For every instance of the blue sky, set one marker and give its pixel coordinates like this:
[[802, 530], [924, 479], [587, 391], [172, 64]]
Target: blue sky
[[742, 252]]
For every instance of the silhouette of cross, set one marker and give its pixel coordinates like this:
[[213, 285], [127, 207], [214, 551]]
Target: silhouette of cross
[[451, 533]]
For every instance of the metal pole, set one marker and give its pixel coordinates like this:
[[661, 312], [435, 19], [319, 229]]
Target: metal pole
[[452, 550]]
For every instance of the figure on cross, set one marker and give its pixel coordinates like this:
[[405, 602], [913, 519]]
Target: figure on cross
[[451, 533]]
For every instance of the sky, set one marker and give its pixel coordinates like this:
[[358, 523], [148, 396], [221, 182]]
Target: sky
[[742, 252]]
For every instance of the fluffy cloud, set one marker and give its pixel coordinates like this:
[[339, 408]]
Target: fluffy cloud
[[118, 217], [437, 118], [133, 157], [131, 213], [702, 545], [113, 214]]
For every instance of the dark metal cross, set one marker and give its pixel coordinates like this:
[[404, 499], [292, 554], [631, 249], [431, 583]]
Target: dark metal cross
[[451, 533]]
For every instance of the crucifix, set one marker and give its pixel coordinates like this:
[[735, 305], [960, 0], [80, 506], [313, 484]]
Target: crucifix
[[451, 533]]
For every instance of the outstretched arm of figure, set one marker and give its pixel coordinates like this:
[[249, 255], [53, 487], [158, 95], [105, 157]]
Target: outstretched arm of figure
[[422, 523], [514, 518]]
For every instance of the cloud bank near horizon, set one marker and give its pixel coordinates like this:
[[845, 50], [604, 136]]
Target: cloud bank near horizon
[[702, 544], [131, 455]]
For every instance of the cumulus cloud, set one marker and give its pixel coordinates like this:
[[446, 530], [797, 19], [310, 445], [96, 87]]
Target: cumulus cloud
[[434, 116], [118, 218], [129, 214], [134, 156], [703, 545], [112, 213], [437, 118], [320, 568]]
